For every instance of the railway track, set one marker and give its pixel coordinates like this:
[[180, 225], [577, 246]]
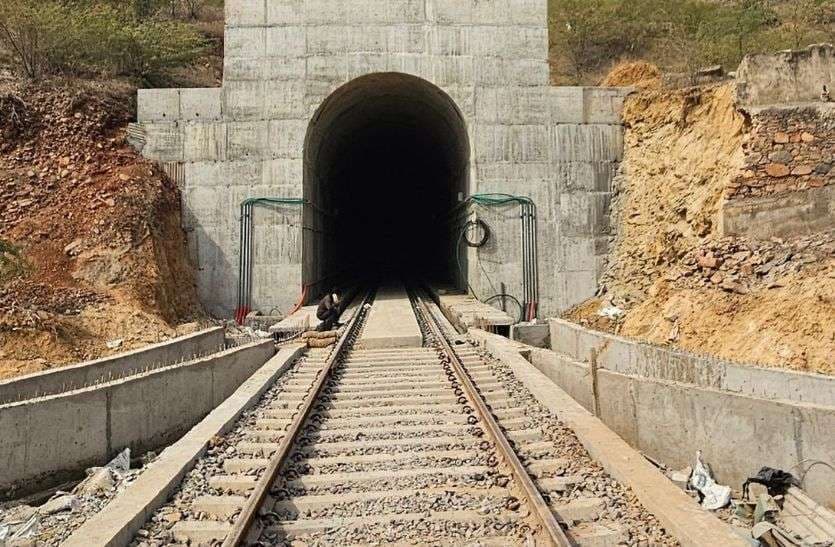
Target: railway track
[[437, 444]]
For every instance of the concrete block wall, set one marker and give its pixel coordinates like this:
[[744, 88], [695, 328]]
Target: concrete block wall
[[793, 76], [783, 216], [73, 377], [52, 439], [283, 58], [669, 404]]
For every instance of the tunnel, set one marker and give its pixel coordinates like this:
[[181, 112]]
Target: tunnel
[[386, 161]]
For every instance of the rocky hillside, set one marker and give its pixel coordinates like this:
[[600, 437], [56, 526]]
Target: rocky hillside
[[103, 258], [671, 272]]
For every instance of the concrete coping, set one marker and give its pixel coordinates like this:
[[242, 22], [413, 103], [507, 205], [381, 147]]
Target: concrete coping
[[144, 374], [631, 357], [176, 350]]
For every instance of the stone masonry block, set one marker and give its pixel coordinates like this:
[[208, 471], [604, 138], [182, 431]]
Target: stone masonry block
[[285, 99], [204, 141], [604, 105], [209, 205], [510, 104], [395, 39], [576, 254], [285, 68], [247, 140], [585, 176], [566, 104], [164, 141], [497, 173], [522, 72], [287, 41], [205, 173], [511, 143], [242, 173], [339, 69], [329, 12], [286, 138], [584, 214], [442, 71], [200, 104], [285, 12], [587, 143], [287, 173], [531, 13], [448, 40], [246, 42], [158, 105], [508, 42], [246, 12], [244, 100], [242, 68]]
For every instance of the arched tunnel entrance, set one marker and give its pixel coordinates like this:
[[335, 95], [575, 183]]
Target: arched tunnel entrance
[[386, 159]]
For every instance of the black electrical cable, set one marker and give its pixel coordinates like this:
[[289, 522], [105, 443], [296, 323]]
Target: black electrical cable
[[485, 229], [509, 297]]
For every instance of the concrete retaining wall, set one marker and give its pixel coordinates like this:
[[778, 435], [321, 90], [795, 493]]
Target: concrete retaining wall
[[46, 441], [626, 356], [786, 77], [54, 381], [669, 404], [785, 215]]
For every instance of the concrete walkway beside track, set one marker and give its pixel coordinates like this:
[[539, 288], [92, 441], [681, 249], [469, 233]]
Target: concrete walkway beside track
[[391, 322]]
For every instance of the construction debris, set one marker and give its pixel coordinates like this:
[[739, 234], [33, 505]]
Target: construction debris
[[320, 339], [714, 496], [97, 226]]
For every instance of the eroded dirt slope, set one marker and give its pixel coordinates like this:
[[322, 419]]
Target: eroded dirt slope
[[681, 283], [99, 229]]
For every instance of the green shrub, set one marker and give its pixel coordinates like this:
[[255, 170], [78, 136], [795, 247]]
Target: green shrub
[[588, 36], [12, 263], [48, 37]]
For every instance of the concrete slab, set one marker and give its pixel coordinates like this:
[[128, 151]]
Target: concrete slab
[[465, 311], [391, 322]]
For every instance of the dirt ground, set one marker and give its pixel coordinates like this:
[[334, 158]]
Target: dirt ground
[[104, 255], [676, 279]]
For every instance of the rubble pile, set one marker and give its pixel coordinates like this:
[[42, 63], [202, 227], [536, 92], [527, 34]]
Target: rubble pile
[[98, 226], [53, 521], [24, 304], [739, 265], [673, 277]]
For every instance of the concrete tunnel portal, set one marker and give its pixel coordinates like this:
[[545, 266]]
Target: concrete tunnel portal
[[386, 160]]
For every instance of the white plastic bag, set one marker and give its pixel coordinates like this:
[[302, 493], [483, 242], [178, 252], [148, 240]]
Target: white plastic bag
[[121, 463], [715, 495]]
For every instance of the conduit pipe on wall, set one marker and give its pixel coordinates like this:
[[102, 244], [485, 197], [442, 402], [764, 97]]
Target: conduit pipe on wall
[[528, 244], [246, 251]]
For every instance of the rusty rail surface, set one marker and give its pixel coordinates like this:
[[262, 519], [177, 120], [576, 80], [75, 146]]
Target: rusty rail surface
[[243, 525], [543, 513]]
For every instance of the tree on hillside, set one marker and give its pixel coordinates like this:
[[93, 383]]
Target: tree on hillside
[[83, 37], [803, 21]]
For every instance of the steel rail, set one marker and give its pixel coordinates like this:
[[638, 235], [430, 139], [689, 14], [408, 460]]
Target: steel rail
[[237, 535], [543, 513]]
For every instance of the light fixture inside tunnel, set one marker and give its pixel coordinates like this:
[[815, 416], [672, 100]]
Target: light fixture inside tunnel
[[386, 159]]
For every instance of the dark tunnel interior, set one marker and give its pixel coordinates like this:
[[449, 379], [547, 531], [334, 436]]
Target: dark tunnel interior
[[386, 160]]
